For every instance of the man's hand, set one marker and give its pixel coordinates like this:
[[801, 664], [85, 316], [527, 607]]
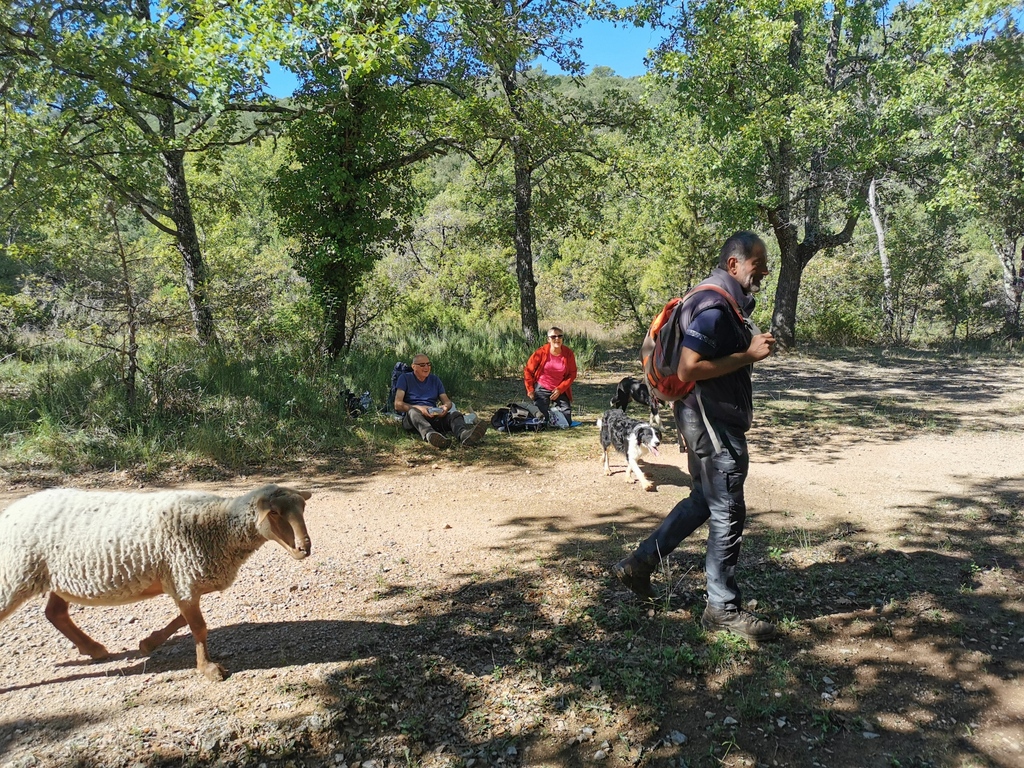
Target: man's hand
[[425, 410], [761, 346]]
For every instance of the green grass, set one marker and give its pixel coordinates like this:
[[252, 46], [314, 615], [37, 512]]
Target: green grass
[[209, 414]]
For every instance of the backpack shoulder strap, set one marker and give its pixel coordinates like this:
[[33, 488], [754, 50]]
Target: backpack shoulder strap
[[721, 291]]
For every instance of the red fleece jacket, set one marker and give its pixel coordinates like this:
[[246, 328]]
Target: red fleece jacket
[[535, 365]]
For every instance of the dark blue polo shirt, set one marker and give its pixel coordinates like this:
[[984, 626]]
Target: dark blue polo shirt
[[715, 333]]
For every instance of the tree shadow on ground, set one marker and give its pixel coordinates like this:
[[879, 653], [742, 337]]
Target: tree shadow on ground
[[823, 403], [887, 657]]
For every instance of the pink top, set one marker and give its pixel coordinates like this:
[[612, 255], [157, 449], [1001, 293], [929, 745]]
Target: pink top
[[553, 372]]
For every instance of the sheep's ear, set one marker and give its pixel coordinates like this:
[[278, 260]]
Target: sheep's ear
[[264, 507]]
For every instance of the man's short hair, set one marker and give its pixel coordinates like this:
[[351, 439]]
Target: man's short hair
[[741, 245]]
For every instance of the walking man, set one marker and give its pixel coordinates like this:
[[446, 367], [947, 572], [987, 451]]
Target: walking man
[[718, 353]]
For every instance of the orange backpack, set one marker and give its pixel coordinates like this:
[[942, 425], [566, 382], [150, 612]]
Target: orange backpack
[[663, 344]]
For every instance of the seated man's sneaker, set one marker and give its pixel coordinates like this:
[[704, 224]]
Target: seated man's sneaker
[[738, 621], [474, 435], [437, 440]]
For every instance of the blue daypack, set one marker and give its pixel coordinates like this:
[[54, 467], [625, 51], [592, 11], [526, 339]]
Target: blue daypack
[[396, 374]]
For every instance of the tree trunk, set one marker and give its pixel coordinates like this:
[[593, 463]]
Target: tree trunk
[[188, 246], [788, 286], [523, 193], [337, 316], [524, 249], [1013, 284], [794, 254], [130, 346], [187, 240], [888, 315], [781, 219]]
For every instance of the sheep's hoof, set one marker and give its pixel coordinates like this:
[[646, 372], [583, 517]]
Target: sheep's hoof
[[95, 651], [213, 672], [649, 487], [149, 644]]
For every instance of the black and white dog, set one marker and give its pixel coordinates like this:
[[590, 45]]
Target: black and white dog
[[632, 439], [630, 389]]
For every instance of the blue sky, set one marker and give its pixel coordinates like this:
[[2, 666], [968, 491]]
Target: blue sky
[[621, 48], [604, 45]]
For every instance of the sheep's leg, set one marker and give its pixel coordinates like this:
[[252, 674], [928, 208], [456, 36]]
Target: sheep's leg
[[9, 603], [158, 638], [57, 613], [190, 610]]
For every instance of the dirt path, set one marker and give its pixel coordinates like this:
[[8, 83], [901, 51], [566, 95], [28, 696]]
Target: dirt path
[[457, 612]]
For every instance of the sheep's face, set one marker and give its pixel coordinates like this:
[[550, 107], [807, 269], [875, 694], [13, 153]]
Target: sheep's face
[[281, 520]]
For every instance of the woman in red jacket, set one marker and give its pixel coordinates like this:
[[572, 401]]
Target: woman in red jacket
[[549, 374]]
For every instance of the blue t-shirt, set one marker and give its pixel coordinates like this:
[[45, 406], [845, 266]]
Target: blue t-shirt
[[426, 392]]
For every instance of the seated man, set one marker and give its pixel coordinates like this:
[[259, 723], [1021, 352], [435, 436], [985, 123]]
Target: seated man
[[426, 409]]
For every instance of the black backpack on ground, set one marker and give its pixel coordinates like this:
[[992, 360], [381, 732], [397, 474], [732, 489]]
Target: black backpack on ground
[[357, 406], [518, 417]]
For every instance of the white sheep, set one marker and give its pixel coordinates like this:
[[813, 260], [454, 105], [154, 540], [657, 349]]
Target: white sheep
[[100, 548]]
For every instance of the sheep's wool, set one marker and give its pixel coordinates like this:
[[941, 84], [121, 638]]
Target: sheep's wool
[[107, 548]]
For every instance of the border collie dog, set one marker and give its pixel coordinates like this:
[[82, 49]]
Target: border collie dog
[[633, 439], [630, 389]]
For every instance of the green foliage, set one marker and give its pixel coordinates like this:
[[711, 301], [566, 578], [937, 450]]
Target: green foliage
[[943, 284], [444, 277], [348, 189], [200, 408], [801, 105], [615, 290], [17, 311], [118, 93], [372, 238], [980, 131], [536, 138], [253, 287], [651, 234], [840, 302], [966, 302]]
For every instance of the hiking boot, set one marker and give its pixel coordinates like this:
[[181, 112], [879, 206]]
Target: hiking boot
[[437, 440], [474, 435], [738, 621], [636, 574]]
